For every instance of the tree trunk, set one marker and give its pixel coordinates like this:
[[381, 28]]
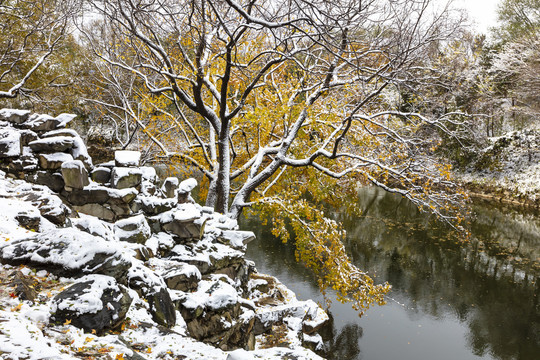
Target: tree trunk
[[224, 163]]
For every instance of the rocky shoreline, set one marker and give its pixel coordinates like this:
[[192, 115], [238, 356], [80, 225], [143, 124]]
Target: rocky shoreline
[[507, 171], [109, 262]]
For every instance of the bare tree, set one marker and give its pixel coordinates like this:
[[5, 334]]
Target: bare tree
[[214, 60], [270, 99], [30, 31]]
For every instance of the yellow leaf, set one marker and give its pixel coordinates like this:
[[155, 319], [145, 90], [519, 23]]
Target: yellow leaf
[[67, 322]]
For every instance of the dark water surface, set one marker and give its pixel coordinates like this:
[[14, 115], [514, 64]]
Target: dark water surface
[[449, 300]]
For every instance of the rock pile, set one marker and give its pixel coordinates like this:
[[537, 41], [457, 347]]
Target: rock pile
[[126, 235]]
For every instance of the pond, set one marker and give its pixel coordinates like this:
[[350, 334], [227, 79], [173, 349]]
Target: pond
[[449, 300]]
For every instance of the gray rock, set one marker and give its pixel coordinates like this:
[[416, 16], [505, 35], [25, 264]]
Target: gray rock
[[14, 116], [134, 229], [53, 161], [50, 206], [27, 136], [97, 304], [29, 220], [88, 195], [101, 175], [153, 289], [183, 230], [127, 158], [100, 211], [52, 144], [152, 205], [122, 177], [42, 122], [67, 252], [237, 239], [10, 143], [162, 308], [169, 187], [125, 196], [204, 319], [182, 277], [53, 181], [75, 174]]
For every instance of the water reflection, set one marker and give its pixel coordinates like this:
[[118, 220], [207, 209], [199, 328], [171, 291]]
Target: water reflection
[[449, 300]]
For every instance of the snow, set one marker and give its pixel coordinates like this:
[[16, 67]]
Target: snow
[[74, 164], [158, 240], [70, 256], [24, 330], [7, 113], [11, 140], [94, 226], [65, 119], [187, 212], [148, 173], [516, 165], [187, 185], [90, 301], [127, 158], [121, 172], [57, 157], [212, 294]]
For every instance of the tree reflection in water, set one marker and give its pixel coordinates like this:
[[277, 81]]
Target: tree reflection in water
[[490, 284]]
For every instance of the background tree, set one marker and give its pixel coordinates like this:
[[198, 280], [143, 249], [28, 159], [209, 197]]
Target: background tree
[[35, 49], [279, 101]]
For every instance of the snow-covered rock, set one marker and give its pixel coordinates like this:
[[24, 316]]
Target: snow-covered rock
[[53, 161], [75, 174], [67, 252], [95, 303], [134, 229], [10, 143], [14, 115], [52, 144], [124, 177], [127, 158]]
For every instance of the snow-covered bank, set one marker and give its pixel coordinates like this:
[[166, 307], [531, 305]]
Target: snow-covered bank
[[109, 262], [508, 169]]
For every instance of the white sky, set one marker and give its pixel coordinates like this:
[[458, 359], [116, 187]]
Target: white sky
[[482, 12]]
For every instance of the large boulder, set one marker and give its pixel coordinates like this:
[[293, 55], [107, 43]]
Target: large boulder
[[42, 122], [68, 252], [87, 195], [205, 310], [184, 191], [181, 276], [96, 304], [53, 161], [50, 206], [134, 229], [124, 177], [53, 181], [127, 158], [101, 175], [74, 174], [152, 288], [152, 205], [169, 187], [10, 143], [78, 150], [14, 116], [184, 222], [100, 211], [52, 144], [237, 239]]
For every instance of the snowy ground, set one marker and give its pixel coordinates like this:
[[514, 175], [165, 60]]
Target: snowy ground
[[512, 167], [27, 333]]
